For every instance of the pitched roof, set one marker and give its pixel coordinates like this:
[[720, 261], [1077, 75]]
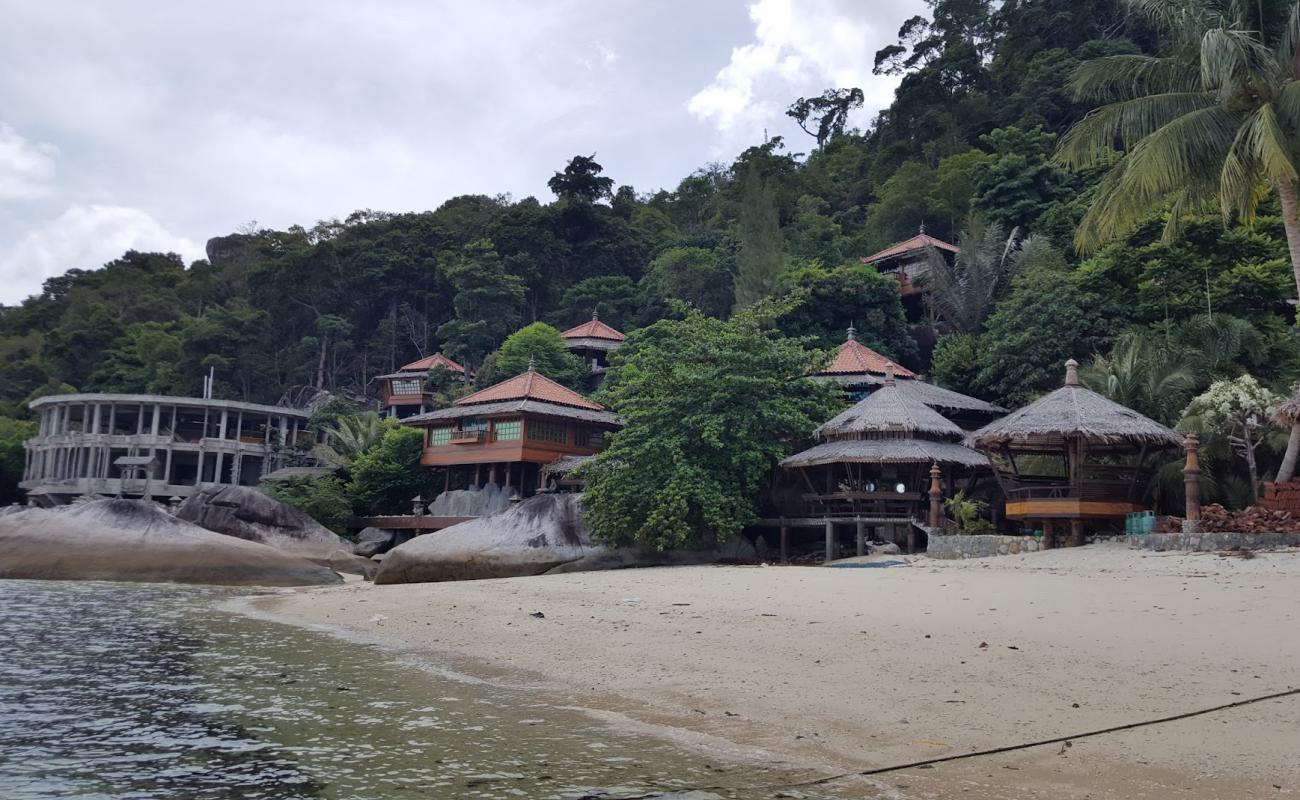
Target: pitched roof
[[593, 329], [429, 362], [887, 451], [855, 357], [538, 408], [888, 412], [530, 385], [928, 393], [1073, 412], [919, 242]]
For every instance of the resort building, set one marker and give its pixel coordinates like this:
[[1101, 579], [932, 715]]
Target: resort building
[[505, 434], [871, 466], [910, 260], [1074, 457], [154, 447], [861, 370], [593, 341], [405, 393]]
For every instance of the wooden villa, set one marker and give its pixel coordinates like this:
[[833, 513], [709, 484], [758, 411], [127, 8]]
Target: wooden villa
[[872, 465], [861, 370], [593, 341], [1073, 456], [404, 393], [505, 434], [909, 260]]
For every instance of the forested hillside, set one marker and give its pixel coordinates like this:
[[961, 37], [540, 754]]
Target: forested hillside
[[968, 149]]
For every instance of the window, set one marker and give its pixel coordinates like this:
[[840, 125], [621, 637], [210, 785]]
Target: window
[[508, 430], [591, 438], [439, 436], [555, 432], [473, 425], [406, 386]]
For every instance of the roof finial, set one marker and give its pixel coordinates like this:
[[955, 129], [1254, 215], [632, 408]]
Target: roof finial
[[889, 373], [853, 332], [1072, 373], [532, 364], [922, 231], [594, 315]]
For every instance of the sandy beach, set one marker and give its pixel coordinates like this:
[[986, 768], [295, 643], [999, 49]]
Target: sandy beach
[[853, 669]]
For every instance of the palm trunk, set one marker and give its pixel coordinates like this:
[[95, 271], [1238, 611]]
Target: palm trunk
[[1291, 223], [1287, 471]]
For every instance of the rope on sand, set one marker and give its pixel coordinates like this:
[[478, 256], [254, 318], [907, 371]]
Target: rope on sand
[[866, 773]]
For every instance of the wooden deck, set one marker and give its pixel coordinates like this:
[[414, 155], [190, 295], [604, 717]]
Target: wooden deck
[[423, 524]]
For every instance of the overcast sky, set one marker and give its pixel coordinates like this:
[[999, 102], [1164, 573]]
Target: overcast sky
[[156, 125]]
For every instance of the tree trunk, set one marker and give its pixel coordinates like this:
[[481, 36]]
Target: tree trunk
[[1291, 223], [320, 363], [1287, 471], [1252, 469]]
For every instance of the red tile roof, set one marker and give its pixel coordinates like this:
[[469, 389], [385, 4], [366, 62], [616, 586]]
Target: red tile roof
[[593, 329], [854, 357], [531, 385], [429, 362], [918, 242]]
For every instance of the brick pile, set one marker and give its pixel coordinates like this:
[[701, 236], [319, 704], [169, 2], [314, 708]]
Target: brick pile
[[1282, 497], [1256, 519]]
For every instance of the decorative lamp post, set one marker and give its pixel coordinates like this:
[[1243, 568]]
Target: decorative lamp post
[[1192, 485], [935, 496]]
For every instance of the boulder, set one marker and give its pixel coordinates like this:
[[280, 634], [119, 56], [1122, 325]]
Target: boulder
[[246, 513], [131, 540], [541, 535], [883, 549], [477, 502], [373, 541]]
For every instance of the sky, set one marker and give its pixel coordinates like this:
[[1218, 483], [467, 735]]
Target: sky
[[158, 125]]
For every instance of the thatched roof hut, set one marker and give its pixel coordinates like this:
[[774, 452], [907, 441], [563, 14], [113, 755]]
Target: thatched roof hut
[[1074, 414]]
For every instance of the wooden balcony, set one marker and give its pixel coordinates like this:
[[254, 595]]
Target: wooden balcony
[[1102, 492], [467, 437]]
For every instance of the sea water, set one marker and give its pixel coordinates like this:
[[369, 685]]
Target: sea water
[[151, 691]]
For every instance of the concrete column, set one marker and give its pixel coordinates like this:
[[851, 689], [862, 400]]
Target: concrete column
[[216, 470], [1192, 484], [936, 496], [167, 469], [94, 425], [1049, 534], [830, 540], [862, 538], [1077, 533], [112, 417], [785, 542], [221, 427], [139, 421], [911, 538], [157, 414], [284, 431]]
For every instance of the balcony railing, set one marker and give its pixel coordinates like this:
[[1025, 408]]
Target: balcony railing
[[467, 437]]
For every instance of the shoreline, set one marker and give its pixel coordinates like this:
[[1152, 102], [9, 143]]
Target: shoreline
[[842, 670]]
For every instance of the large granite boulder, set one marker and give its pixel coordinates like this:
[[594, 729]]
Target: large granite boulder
[[477, 502], [246, 513], [132, 540], [541, 535], [374, 541]]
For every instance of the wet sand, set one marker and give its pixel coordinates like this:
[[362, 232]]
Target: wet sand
[[852, 669]]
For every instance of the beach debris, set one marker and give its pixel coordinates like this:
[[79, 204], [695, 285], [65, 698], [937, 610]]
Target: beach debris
[[377, 619], [984, 645], [537, 615], [1256, 519]]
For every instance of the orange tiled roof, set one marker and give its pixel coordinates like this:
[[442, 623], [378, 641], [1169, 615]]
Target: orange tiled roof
[[530, 385], [918, 242], [429, 362], [855, 357], [593, 329]]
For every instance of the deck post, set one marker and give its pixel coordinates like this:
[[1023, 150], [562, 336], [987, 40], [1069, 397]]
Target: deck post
[[1049, 534], [1076, 533], [830, 540], [911, 538], [936, 495], [1192, 484], [785, 540], [862, 538]]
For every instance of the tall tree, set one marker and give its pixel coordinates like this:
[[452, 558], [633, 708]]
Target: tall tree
[[488, 302], [581, 180], [1210, 120], [827, 114], [760, 257]]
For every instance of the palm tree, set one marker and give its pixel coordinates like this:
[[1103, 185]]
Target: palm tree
[[963, 292], [1144, 373], [1214, 119], [350, 437]]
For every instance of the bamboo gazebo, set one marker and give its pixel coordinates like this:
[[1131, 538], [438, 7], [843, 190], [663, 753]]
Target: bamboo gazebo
[[872, 464], [1073, 456]]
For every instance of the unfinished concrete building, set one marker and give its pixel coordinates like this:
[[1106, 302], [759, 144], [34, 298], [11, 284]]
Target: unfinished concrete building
[[155, 447]]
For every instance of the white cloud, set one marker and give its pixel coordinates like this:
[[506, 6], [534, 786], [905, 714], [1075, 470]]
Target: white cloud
[[26, 168], [800, 47], [83, 237]]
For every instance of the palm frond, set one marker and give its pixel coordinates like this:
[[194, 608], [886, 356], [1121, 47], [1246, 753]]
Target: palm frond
[[1125, 123], [1230, 57], [1183, 156], [1124, 77], [1287, 106], [1288, 45], [1260, 153]]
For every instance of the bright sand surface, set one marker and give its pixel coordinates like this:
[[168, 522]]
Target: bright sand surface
[[850, 669]]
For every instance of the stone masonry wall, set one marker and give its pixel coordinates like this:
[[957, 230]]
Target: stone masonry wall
[[958, 546], [1213, 541]]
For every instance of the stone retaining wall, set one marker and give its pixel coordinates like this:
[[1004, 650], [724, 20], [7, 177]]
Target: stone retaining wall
[[1212, 541], [958, 546]]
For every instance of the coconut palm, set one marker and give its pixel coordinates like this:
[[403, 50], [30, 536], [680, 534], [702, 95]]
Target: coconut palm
[[350, 437], [1214, 119]]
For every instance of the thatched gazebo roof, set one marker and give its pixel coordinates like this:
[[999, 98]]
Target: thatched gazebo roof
[[888, 412], [887, 451], [1072, 414]]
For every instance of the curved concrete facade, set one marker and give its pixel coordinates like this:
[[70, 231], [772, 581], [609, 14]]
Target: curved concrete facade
[[138, 445]]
